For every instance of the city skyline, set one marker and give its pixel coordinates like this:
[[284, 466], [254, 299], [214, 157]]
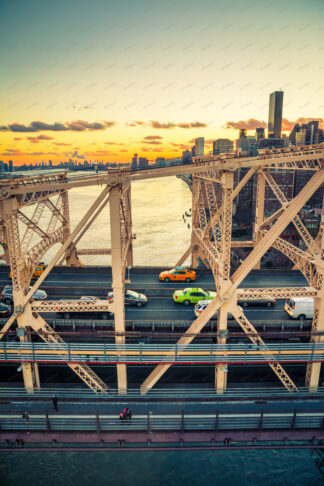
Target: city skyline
[[150, 79]]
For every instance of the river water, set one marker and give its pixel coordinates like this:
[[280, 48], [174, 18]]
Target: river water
[[161, 237]]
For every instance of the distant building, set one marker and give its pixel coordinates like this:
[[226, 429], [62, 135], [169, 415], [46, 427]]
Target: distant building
[[275, 114], [199, 146], [186, 156], [10, 166], [160, 162], [242, 144], [259, 134], [271, 143], [134, 162], [222, 146], [301, 137], [306, 134], [142, 163], [193, 151]]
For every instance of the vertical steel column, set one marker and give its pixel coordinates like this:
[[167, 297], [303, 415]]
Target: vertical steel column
[[313, 370], [129, 255], [20, 283], [118, 280], [259, 210], [70, 254], [195, 219], [227, 181]]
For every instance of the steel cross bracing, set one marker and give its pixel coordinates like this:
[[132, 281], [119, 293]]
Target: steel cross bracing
[[213, 194], [23, 263]]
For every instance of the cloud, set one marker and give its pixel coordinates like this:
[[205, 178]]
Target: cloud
[[17, 138], [288, 125], [18, 153], [123, 150], [62, 144], [135, 123], [168, 125], [192, 125], [250, 124], [153, 137], [113, 143], [73, 126], [180, 146], [38, 138], [151, 142], [77, 155]]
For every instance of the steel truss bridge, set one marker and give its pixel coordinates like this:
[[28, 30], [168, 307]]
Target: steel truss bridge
[[213, 193]]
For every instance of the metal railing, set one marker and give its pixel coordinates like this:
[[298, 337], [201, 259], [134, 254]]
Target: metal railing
[[165, 421], [176, 393], [145, 353]]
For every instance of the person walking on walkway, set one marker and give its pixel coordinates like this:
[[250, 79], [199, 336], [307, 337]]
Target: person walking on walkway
[[54, 400], [25, 415]]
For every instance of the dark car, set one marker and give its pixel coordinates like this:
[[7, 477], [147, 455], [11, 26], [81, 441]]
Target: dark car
[[268, 301], [131, 298], [5, 310], [82, 314], [7, 298]]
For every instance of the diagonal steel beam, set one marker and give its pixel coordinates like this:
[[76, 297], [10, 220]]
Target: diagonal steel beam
[[275, 231], [299, 225], [253, 335], [56, 257]]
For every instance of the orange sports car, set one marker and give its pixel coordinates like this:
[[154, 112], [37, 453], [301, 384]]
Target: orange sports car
[[179, 274]]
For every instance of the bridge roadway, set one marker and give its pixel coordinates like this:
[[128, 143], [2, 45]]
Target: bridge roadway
[[73, 282]]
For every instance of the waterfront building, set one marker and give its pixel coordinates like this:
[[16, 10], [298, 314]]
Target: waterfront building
[[134, 162], [142, 163]]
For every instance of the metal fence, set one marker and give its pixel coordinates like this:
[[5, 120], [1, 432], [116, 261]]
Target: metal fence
[[154, 421], [145, 353]]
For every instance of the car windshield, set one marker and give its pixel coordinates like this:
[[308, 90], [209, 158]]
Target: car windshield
[[291, 303], [131, 293], [171, 271]]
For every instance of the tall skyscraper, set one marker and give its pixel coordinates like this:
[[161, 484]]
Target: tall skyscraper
[[275, 114], [199, 146], [10, 166]]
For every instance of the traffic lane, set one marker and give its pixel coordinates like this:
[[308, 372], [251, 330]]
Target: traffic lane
[[151, 281], [165, 309]]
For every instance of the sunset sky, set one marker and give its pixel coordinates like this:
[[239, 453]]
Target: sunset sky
[[103, 79]]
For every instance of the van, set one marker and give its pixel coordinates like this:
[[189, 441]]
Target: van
[[300, 307]]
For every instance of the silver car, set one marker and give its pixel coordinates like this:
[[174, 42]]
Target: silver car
[[201, 306]]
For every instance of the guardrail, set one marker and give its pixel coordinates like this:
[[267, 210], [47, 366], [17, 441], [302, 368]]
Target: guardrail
[[176, 393], [144, 353], [168, 324], [166, 421]]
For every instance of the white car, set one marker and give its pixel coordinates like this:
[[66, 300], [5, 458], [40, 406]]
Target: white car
[[201, 306]]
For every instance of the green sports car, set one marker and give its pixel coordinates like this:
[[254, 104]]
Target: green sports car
[[192, 296]]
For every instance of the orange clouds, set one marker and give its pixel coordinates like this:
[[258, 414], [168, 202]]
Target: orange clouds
[[250, 124], [74, 126]]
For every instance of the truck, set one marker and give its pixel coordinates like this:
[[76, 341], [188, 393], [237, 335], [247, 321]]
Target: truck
[[300, 307]]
